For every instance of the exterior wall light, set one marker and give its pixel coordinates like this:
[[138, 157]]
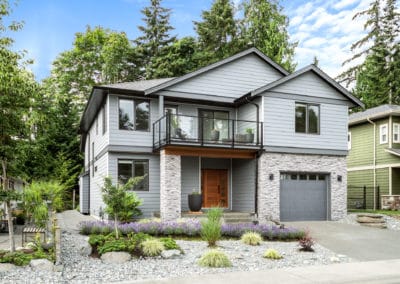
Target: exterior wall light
[[271, 176], [339, 178]]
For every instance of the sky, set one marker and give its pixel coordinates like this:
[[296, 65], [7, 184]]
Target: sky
[[322, 28]]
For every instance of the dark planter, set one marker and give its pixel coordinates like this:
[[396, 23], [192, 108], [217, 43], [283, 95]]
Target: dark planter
[[214, 135], [249, 138], [195, 201]]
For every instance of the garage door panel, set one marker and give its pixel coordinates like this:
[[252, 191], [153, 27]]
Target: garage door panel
[[302, 200]]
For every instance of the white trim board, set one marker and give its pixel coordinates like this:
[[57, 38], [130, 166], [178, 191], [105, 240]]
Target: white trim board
[[371, 167]]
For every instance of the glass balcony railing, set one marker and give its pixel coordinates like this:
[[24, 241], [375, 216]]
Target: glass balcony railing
[[174, 129]]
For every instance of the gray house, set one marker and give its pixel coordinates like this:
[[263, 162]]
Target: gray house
[[243, 131]]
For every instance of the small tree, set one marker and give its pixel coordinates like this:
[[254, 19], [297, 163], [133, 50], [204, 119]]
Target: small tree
[[36, 196], [121, 204]]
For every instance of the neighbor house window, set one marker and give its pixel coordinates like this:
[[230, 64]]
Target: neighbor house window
[[134, 168], [92, 158], [134, 114], [349, 140], [307, 118], [97, 126], [396, 132], [383, 134]]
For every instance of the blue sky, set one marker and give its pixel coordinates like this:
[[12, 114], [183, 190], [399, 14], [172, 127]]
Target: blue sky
[[322, 27]]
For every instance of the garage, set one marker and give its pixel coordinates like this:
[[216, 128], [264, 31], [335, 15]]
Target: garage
[[303, 196]]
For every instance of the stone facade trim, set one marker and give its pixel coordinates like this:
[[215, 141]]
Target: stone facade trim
[[170, 186], [276, 163]]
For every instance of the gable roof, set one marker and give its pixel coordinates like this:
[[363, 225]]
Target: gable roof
[[239, 55], [374, 113], [320, 73]]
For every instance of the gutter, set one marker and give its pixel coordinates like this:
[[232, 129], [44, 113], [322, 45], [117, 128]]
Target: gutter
[[374, 160]]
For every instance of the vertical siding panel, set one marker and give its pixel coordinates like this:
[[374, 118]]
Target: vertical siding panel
[[243, 185]]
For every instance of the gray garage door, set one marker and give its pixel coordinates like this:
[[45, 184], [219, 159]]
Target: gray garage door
[[303, 197]]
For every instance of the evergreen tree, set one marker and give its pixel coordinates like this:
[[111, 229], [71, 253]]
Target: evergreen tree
[[376, 78], [182, 57], [218, 32], [155, 39], [265, 27]]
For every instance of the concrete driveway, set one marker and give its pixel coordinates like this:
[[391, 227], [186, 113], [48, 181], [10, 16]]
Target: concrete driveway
[[357, 242]]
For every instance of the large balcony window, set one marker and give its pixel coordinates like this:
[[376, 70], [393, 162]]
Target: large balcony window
[[209, 129]]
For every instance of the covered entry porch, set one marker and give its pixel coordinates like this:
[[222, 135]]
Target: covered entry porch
[[225, 177]]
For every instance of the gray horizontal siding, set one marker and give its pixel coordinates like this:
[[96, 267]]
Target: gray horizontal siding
[[309, 84], [96, 183], [243, 185], [190, 179], [151, 198], [279, 126], [231, 80], [129, 137]]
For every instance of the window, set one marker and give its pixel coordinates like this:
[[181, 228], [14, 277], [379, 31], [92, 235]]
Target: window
[[396, 132], [97, 126], [134, 114], [349, 140], [307, 118], [214, 120], [168, 109], [383, 133], [134, 168], [104, 119]]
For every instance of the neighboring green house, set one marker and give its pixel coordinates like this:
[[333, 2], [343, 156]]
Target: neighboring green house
[[374, 154]]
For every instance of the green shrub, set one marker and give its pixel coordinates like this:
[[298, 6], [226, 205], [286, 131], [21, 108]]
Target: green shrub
[[113, 245], [215, 258], [211, 228], [169, 243], [272, 254], [96, 240], [17, 258], [251, 238], [215, 214], [152, 247]]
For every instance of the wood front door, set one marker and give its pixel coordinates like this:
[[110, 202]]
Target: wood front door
[[214, 187]]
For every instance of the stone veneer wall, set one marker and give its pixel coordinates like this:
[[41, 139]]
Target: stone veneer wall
[[170, 186], [275, 163]]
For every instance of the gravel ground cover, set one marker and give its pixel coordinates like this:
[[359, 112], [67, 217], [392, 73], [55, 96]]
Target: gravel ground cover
[[391, 222], [76, 268]]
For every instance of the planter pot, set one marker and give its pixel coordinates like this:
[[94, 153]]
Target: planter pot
[[249, 138], [195, 202], [214, 135]]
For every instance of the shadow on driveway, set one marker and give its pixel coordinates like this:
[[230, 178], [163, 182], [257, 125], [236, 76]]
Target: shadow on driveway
[[357, 242]]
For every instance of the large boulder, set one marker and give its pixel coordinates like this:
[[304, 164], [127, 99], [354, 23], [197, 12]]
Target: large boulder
[[6, 267], [364, 219], [41, 264], [173, 253], [85, 248], [116, 257]]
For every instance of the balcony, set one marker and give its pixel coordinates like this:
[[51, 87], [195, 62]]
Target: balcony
[[186, 130]]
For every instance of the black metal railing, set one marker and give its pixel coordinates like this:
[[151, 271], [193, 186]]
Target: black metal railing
[[362, 197], [172, 129]]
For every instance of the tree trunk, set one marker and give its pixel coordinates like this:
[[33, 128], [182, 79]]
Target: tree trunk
[[116, 227], [8, 207]]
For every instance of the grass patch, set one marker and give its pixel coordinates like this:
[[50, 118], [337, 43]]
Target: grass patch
[[383, 212]]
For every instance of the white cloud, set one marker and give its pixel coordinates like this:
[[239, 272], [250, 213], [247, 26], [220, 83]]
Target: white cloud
[[344, 3], [325, 29]]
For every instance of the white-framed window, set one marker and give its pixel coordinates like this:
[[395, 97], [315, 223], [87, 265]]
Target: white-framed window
[[349, 140], [383, 133], [396, 132]]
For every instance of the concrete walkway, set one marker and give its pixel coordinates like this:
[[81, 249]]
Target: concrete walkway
[[361, 272], [358, 242], [69, 220]]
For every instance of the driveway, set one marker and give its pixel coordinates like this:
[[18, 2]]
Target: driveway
[[357, 242]]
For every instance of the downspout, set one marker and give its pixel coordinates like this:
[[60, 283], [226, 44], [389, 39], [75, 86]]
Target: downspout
[[374, 160], [257, 156]]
